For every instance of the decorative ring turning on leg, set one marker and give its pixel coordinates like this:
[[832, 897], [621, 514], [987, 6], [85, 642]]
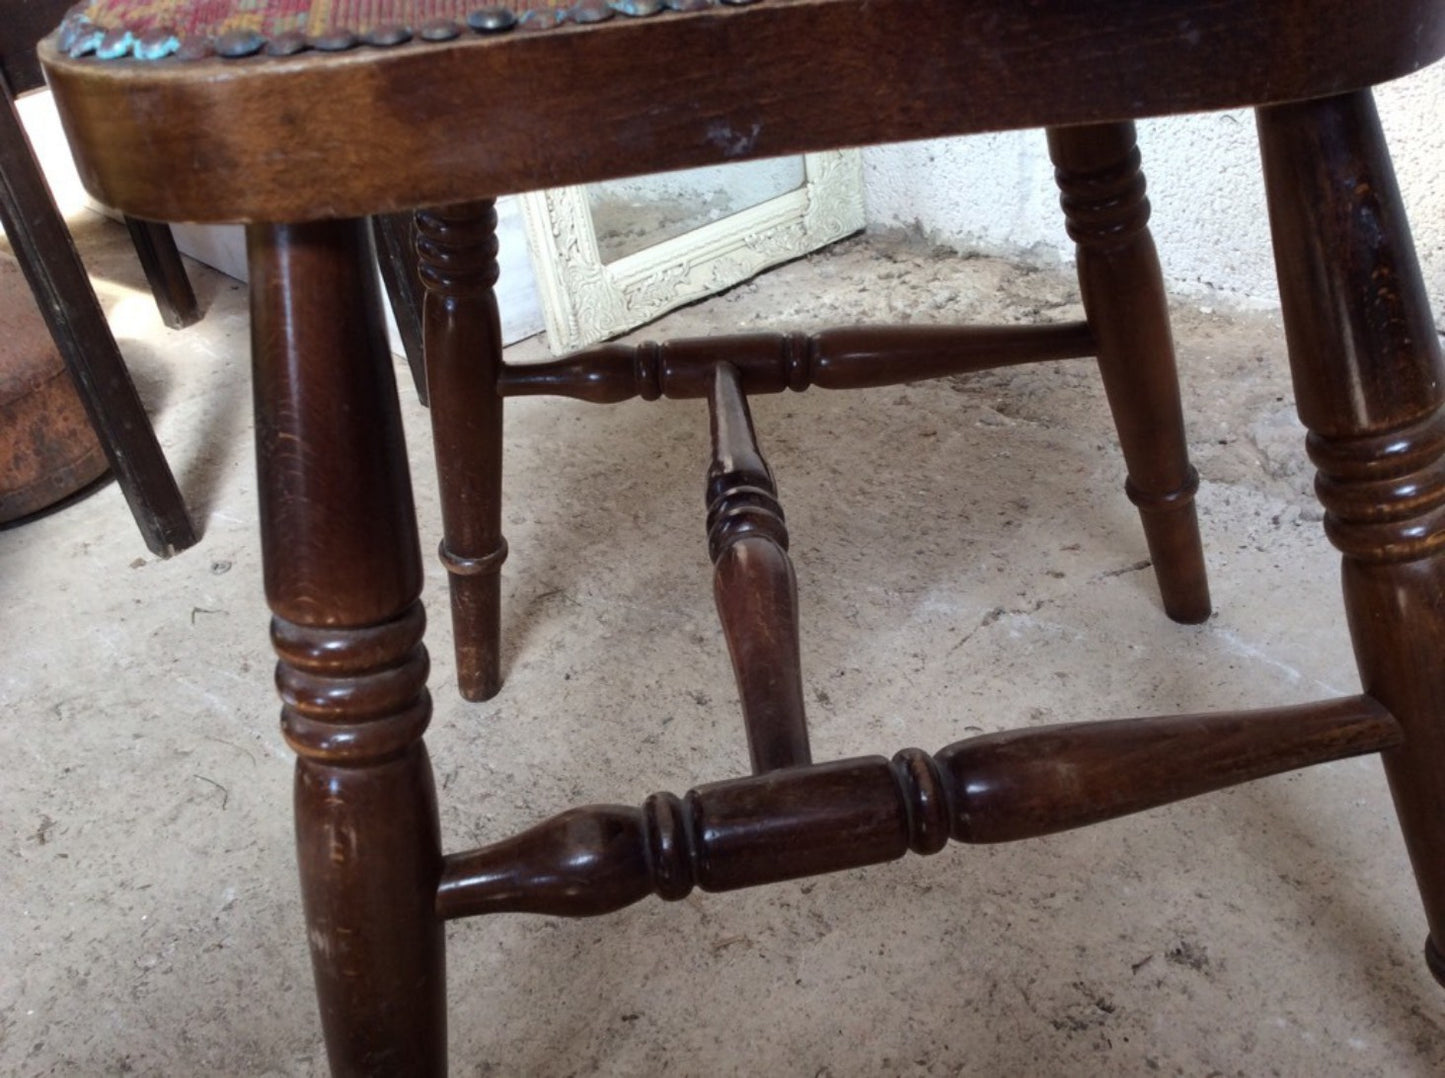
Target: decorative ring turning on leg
[[1370, 387], [343, 576], [1097, 168], [753, 582]]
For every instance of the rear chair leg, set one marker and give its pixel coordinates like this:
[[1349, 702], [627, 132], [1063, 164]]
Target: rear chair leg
[[395, 236], [165, 272], [457, 251], [1097, 169], [1371, 389]]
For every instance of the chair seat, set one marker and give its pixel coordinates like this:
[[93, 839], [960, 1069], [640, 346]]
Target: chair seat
[[457, 105]]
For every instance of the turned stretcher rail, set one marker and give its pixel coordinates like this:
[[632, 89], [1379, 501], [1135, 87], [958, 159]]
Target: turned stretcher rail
[[806, 821], [856, 357], [753, 582]]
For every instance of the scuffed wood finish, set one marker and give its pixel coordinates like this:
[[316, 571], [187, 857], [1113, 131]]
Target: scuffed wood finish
[[753, 582], [457, 251], [66, 301], [849, 813], [1097, 169], [775, 77], [1370, 387], [856, 357], [343, 576]]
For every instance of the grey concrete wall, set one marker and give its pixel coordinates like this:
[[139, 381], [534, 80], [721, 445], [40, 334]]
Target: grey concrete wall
[[995, 193]]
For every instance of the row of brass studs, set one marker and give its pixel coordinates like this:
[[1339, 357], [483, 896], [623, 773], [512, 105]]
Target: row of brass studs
[[79, 37]]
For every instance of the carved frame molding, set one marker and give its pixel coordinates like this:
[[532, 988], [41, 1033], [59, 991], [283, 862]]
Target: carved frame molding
[[585, 300]]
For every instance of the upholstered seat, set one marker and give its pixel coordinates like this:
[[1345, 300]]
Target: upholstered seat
[[302, 119]]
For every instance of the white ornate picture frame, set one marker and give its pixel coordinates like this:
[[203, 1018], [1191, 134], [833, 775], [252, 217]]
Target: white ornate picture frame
[[585, 300]]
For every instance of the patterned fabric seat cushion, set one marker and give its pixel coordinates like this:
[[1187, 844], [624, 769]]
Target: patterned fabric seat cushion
[[193, 29]]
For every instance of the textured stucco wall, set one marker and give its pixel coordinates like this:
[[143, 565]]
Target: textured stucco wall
[[995, 193]]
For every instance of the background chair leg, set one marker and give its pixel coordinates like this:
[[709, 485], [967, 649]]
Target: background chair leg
[[156, 249], [1371, 389], [1097, 168], [457, 253], [343, 576], [62, 290], [396, 254]]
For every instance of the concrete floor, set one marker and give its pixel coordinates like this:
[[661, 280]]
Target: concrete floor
[[967, 562]]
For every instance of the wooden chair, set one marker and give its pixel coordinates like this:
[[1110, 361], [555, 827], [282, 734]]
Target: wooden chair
[[302, 129], [67, 302]]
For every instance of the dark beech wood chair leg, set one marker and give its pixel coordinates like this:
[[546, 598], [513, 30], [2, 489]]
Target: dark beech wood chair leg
[[457, 253], [48, 258], [395, 238], [1097, 168], [1371, 389], [343, 576], [166, 274]]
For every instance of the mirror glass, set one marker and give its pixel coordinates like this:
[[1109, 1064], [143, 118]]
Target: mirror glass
[[634, 214]]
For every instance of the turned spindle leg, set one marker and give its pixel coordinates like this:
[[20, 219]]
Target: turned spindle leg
[[457, 251], [1370, 388], [343, 576], [1097, 169], [753, 581]]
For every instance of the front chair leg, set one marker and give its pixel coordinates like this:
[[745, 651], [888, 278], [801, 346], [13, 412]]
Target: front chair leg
[[343, 577], [457, 253], [1371, 389], [1097, 168]]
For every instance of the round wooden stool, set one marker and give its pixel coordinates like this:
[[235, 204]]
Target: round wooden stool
[[48, 450]]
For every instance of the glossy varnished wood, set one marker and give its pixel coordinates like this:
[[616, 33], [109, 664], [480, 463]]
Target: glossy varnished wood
[[856, 357], [753, 581], [776, 77], [849, 813], [457, 254], [1370, 387], [343, 576], [1097, 169]]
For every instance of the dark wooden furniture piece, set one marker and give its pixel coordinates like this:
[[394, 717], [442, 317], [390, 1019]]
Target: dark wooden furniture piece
[[48, 450], [67, 302], [268, 128]]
